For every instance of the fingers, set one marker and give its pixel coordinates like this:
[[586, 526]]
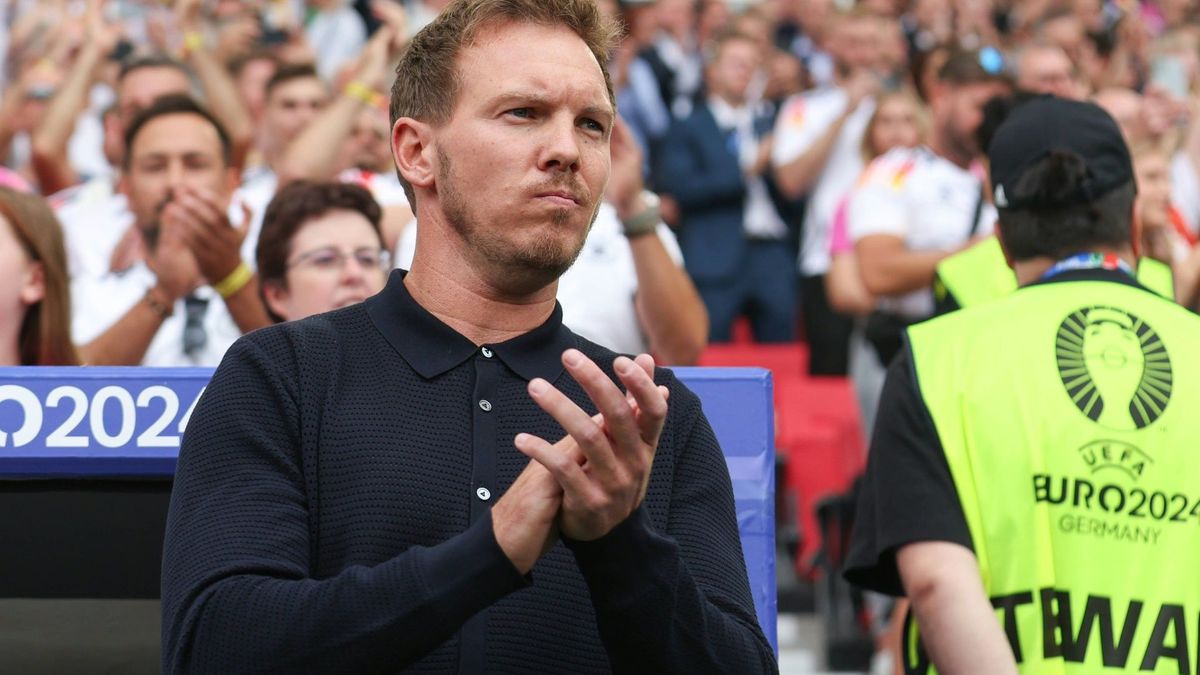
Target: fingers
[[586, 432], [247, 218], [202, 205], [561, 465], [608, 398], [638, 377]]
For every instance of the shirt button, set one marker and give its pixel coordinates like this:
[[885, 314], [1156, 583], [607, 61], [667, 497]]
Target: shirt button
[[483, 493], [487, 353], [485, 405]]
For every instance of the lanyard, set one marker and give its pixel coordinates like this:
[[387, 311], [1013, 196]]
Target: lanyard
[[1089, 261]]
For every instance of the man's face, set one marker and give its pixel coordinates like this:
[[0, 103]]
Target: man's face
[[676, 16], [291, 105], [730, 73], [961, 113], [523, 160], [171, 151], [1046, 71], [367, 146], [856, 43]]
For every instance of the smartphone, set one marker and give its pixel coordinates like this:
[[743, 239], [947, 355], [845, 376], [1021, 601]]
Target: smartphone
[[1170, 73]]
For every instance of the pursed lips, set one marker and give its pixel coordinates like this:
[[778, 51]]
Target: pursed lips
[[560, 197]]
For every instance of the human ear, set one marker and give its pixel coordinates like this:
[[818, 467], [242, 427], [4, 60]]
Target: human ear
[[34, 288], [413, 151]]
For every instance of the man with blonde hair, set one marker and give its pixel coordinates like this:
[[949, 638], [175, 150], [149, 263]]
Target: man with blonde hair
[[355, 491]]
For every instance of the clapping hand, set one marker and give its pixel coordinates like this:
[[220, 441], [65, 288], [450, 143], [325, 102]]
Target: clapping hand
[[603, 463]]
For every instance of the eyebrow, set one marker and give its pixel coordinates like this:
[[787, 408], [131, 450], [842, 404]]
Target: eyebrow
[[539, 99]]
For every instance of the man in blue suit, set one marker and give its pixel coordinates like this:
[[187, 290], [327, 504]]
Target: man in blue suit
[[733, 232]]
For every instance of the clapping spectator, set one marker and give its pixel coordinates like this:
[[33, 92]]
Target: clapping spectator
[[191, 294], [716, 166]]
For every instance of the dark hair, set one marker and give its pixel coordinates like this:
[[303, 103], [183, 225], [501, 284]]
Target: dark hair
[[291, 209], [175, 104], [290, 71], [151, 61], [426, 85], [1061, 231], [972, 67]]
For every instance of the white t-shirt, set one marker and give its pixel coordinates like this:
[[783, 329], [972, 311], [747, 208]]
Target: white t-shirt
[[98, 303], [94, 217], [805, 118], [597, 292], [926, 200]]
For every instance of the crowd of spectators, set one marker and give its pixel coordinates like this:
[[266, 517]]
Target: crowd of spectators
[[814, 160]]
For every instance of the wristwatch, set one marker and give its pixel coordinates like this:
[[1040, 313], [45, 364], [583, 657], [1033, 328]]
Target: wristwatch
[[646, 220]]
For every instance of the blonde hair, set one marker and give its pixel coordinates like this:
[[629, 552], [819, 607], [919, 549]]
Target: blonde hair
[[920, 119]]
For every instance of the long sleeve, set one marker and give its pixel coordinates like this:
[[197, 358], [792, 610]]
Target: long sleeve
[[679, 601], [238, 593], [693, 180]]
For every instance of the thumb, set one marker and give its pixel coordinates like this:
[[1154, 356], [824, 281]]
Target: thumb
[[247, 217]]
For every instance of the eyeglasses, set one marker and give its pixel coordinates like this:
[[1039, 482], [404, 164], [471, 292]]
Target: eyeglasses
[[333, 259]]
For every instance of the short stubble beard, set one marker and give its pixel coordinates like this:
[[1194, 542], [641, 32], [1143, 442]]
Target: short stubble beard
[[525, 269]]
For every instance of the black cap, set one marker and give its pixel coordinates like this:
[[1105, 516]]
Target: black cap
[[1047, 125]]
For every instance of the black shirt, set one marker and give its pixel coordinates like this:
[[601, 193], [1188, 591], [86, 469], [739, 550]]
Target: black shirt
[[331, 513], [907, 494]]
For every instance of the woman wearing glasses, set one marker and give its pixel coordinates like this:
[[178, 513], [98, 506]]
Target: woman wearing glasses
[[320, 249], [35, 306]]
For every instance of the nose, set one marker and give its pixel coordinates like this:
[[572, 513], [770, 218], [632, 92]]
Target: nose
[[175, 175], [353, 272], [561, 150]]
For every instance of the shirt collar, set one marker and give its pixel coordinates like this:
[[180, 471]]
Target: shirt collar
[[431, 347]]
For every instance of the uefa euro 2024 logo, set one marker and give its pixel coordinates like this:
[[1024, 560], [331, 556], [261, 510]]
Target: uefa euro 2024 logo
[[1114, 366]]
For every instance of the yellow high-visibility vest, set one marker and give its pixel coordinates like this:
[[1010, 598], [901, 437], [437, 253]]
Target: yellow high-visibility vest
[[1069, 414]]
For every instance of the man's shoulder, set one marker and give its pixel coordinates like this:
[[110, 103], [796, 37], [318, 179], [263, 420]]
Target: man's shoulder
[[316, 337]]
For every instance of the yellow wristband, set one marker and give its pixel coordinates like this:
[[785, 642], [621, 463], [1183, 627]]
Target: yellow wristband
[[359, 91], [192, 41], [236, 281]]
